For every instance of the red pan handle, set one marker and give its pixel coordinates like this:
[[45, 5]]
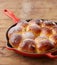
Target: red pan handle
[[11, 15], [52, 55]]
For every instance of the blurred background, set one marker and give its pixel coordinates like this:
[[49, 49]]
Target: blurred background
[[25, 9]]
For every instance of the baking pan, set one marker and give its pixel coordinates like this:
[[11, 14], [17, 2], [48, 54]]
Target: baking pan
[[52, 54]]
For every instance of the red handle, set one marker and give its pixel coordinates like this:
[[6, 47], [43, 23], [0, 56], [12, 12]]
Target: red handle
[[11, 15], [52, 55]]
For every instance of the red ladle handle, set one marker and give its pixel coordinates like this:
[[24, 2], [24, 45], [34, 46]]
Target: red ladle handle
[[11, 15]]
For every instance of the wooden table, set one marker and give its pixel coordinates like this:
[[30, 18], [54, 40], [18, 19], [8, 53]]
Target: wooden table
[[24, 9]]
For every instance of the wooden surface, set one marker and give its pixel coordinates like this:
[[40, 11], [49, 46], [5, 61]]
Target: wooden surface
[[24, 9]]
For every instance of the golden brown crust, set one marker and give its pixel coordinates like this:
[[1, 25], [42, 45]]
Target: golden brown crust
[[54, 30], [36, 36], [36, 21], [46, 31], [16, 29], [43, 44], [48, 24], [15, 40], [22, 23], [35, 29], [28, 45], [53, 38], [28, 35], [19, 28]]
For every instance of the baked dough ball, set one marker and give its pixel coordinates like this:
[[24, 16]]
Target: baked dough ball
[[48, 24], [19, 28], [28, 35], [36, 21], [46, 31], [35, 29], [43, 44], [53, 38], [23, 23], [54, 30], [16, 29], [28, 45], [15, 40]]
